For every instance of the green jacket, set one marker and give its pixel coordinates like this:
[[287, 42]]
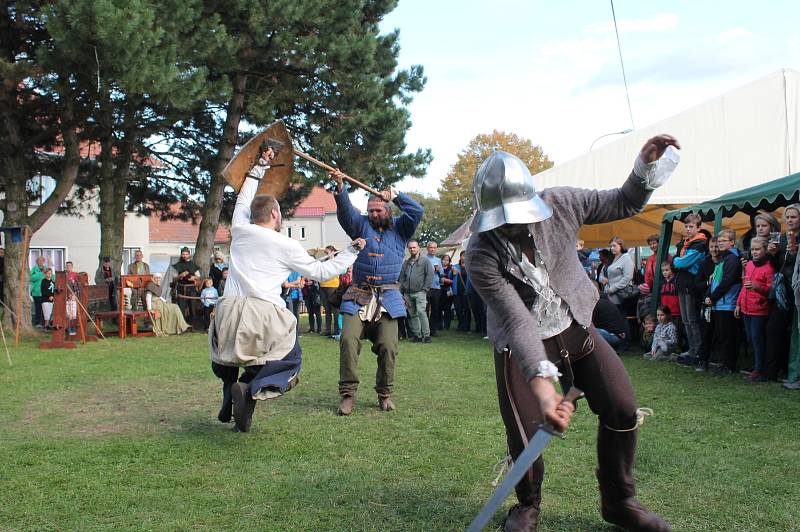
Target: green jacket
[[36, 281]]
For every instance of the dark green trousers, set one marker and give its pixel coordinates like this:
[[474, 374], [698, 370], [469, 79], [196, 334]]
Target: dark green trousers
[[383, 335]]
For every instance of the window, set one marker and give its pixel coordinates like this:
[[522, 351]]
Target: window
[[302, 233], [53, 257], [289, 232], [41, 186]]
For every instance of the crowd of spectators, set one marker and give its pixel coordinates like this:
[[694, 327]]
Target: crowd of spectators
[[713, 294]]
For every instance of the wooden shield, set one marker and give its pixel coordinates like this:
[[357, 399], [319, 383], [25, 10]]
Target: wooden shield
[[277, 177]]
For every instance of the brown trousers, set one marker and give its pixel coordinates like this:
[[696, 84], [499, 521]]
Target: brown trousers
[[609, 393]]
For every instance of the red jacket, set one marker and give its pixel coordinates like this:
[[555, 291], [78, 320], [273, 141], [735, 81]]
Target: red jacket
[[751, 301], [669, 296]]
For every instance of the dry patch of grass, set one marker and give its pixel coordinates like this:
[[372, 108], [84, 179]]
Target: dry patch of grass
[[135, 407]]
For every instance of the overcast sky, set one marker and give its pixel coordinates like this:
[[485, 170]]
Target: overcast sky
[[550, 71]]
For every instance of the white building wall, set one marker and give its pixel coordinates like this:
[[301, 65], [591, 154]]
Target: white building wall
[[319, 231], [79, 236]]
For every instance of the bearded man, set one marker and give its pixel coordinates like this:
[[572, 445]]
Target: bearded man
[[522, 261], [252, 328], [373, 303]]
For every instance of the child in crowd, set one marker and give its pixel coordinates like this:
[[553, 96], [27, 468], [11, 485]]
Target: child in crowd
[[48, 289], [665, 337], [669, 297], [690, 253], [726, 281], [753, 304], [649, 323], [208, 297], [74, 288]]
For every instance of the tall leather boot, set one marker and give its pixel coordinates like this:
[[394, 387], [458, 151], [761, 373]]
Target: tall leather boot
[[618, 504], [524, 517], [226, 412]]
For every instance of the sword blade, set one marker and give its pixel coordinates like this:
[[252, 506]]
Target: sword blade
[[521, 465]]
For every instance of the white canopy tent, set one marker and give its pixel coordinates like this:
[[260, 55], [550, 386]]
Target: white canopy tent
[[744, 138]]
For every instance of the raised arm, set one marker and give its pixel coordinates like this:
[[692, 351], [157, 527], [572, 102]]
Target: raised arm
[[407, 222], [241, 213], [349, 218]]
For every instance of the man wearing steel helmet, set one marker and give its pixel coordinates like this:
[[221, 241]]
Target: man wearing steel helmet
[[522, 261]]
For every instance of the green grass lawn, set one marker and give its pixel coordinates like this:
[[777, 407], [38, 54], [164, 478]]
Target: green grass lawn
[[123, 435]]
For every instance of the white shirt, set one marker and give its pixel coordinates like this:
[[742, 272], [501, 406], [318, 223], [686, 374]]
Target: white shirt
[[261, 258], [548, 309]]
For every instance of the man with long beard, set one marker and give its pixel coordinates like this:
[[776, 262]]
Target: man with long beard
[[522, 261], [373, 303], [252, 328]]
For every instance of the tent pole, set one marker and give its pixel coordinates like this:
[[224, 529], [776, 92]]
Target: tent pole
[[718, 221], [663, 252]]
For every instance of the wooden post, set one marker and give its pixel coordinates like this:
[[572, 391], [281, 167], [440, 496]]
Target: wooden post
[[22, 288]]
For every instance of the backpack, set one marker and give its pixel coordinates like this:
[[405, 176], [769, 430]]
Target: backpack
[[778, 292]]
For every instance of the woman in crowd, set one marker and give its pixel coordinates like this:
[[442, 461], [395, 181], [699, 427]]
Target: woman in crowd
[[446, 297], [313, 305], [785, 252], [215, 272], [618, 282], [167, 317], [460, 300], [327, 289], [753, 305]]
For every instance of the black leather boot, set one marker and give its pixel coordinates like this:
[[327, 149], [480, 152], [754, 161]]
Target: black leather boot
[[625, 511], [226, 412]]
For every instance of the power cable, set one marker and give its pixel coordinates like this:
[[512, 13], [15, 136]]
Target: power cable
[[622, 64]]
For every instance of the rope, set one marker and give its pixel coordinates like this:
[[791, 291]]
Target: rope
[[499, 469], [641, 413], [8, 309]]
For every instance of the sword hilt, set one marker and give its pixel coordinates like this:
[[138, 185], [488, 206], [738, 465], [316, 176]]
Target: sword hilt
[[572, 395]]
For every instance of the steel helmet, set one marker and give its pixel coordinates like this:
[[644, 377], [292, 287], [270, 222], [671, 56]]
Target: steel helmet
[[505, 193]]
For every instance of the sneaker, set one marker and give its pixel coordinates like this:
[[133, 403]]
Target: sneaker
[[701, 367], [792, 385], [416, 339], [427, 340]]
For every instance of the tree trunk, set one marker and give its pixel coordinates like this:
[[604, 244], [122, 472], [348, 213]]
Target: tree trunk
[[16, 258], [213, 203], [113, 191]]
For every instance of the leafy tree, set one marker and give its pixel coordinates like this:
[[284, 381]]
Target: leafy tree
[[40, 112], [139, 64], [430, 228], [323, 67], [456, 189]]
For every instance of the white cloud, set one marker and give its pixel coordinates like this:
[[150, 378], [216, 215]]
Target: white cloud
[[733, 35], [660, 22]]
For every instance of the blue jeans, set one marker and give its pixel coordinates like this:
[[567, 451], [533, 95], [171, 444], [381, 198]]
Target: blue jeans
[[756, 329], [612, 339]]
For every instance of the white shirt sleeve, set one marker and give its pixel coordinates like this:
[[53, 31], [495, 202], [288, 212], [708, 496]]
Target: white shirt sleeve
[[300, 261], [655, 174], [241, 213]]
